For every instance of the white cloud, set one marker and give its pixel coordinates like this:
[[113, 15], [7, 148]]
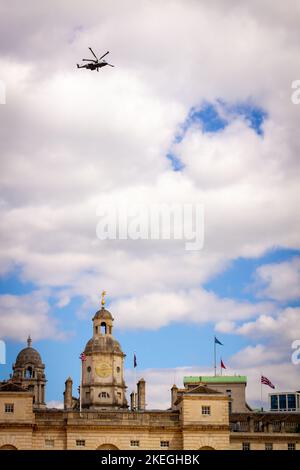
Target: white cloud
[[279, 281], [27, 314], [285, 327], [155, 310], [282, 373], [258, 355], [55, 404], [71, 137]]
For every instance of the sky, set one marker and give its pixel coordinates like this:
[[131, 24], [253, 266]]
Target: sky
[[197, 109]]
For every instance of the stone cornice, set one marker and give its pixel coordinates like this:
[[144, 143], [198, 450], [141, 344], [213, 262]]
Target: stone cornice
[[263, 436], [15, 424], [205, 427], [204, 397]]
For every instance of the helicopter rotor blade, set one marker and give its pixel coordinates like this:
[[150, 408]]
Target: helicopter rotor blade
[[104, 55], [109, 64], [90, 60], [93, 53]]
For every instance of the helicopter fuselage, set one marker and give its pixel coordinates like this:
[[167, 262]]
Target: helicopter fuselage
[[92, 65]]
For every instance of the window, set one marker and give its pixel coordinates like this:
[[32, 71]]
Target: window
[[291, 446], [282, 402], [119, 395], [28, 373], [206, 410], [9, 407], [268, 446], [164, 443], [274, 402], [103, 395], [89, 369], [80, 443], [49, 442], [246, 446], [103, 328], [291, 402], [228, 393], [118, 369], [135, 443], [230, 407]]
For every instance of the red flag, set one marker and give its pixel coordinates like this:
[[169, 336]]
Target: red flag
[[134, 361], [266, 381], [82, 357], [222, 365]]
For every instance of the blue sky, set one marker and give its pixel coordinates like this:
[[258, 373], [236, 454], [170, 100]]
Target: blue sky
[[153, 348]]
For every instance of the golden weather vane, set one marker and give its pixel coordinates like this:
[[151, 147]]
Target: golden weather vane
[[103, 298]]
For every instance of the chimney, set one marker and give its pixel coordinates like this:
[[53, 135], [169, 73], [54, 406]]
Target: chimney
[[174, 395], [68, 394], [141, 392], [132, 401]]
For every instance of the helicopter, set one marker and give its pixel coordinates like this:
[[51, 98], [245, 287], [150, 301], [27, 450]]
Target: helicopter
[[95, 64]]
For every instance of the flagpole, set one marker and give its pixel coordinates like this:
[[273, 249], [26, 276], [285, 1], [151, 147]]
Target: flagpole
[[80, 389], [261, 402], [134, 378], [215, 364]]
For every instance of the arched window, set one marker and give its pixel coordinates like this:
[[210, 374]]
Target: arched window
[[103, 328], [28, 373], [8, 447]]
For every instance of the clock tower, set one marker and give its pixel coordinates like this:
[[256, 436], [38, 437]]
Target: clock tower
[[103, 385]]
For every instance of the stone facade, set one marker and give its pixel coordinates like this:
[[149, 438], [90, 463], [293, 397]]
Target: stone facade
[[199, 416]]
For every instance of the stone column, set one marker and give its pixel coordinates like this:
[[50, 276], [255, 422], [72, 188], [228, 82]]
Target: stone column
[[132, 401], [68, 394], [141, 391], [174, 395]]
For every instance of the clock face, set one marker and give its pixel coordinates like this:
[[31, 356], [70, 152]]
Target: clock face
[[103, 370]]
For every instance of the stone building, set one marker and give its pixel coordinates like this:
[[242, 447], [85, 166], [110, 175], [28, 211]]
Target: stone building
[[207, 413]]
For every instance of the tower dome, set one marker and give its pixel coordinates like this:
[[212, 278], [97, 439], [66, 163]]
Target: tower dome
[[103, 344], [28, 356], [103, 385], [29, 373], [103, 314]]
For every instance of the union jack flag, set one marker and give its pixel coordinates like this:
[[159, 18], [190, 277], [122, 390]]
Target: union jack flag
[[266, 381], [82, 357]]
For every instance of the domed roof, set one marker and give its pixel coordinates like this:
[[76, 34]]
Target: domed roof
[[29, 355], [103, 314], [103, 344]]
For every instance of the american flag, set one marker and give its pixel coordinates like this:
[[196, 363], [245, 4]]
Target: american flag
[[82, 357], [266, 381]]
